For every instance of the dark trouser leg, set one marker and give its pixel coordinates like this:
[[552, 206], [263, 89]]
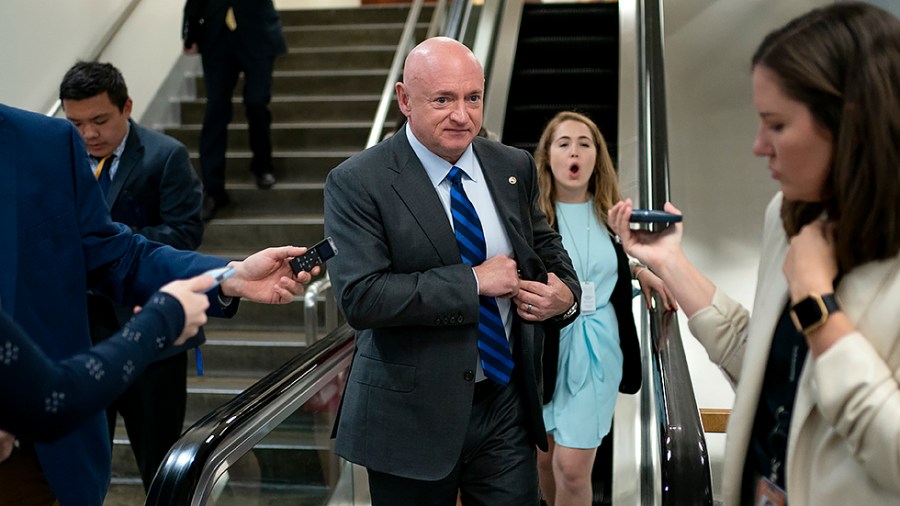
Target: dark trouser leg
[[257, 95], [153, 409], [220, 74], [389, 490], [499, 461], [498, 465]]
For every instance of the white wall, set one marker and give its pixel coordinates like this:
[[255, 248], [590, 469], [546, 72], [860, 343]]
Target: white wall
[[41, 39]]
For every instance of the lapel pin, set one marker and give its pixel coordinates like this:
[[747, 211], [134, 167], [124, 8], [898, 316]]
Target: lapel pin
[[512, 180]]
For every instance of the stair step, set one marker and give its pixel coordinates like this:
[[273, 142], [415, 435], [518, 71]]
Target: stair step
[[248, 353], [337, 58], [247, 201], [332, 135], [348, 34], [366, 14], [253, 316], [300, 108], [315, 81], [289, 166], [260, 232]]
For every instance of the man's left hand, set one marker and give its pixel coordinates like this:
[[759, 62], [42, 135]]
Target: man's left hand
[[266, 277], [537, 301]]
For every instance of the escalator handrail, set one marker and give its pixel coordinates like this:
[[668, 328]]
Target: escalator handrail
[[189, 469], [682, 455], [684, 458]]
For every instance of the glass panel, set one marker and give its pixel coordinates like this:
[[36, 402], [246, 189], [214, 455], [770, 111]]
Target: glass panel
[[293, 464]]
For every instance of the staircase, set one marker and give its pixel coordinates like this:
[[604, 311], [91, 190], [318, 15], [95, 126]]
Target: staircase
[[325, 93], [567, 58]]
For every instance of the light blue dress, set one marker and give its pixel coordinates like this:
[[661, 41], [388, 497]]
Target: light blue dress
[[590, 359]]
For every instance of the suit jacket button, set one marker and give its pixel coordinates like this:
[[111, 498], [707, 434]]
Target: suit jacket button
[[469, 375], [453, 320], [437, 320], [446, 320]]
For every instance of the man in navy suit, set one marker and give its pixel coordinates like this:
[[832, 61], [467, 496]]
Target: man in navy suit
[[155, 191], [57, 241], [418, 411], [234, 37]]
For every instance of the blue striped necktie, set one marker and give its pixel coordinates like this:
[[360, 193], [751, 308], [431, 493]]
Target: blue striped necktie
[[496, 360]]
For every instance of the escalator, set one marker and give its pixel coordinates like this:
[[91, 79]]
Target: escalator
[[222, 459], [567, 58]]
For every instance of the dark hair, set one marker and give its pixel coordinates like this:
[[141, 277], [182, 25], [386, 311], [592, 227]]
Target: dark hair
[[604, 183], [843, 63], [89, 79]]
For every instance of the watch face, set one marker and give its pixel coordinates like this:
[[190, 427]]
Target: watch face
[[808, 312]]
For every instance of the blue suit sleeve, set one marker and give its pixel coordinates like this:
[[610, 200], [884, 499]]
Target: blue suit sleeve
[[43, 399]]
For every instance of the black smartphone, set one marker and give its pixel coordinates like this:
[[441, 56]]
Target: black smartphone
[[316, 255], [653, 216]]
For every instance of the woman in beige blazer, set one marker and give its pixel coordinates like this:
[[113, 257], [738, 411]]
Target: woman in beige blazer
[[816, 367]]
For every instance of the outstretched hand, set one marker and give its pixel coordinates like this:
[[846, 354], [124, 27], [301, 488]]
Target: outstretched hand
[[650, 248], [266, 276]]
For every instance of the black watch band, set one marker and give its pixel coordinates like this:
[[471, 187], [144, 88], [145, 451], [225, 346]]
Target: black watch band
[[812, 312]]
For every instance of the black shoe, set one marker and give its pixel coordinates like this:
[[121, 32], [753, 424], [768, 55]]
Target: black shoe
[[265, 180], [212, 205]]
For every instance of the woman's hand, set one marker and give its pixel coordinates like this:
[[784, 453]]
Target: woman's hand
[[811, 265], [651, 283], [650, 248], [662, 252], [194, 301]]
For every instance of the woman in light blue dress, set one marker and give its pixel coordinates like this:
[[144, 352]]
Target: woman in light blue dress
[[598, 354]]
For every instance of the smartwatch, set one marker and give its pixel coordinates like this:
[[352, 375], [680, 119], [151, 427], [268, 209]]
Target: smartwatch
[[810, 313]]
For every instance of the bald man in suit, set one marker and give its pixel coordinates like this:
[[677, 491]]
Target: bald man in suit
[[421, 411]]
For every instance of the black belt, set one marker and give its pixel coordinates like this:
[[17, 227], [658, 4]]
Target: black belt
[[484, 389]]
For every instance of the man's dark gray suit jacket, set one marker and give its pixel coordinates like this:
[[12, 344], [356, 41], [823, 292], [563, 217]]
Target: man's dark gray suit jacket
[[400, 282]]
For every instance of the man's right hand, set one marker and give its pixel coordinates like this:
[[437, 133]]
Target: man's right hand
[[192, 49], [498, 277]]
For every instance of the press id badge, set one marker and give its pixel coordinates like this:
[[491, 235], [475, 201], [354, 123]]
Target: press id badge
[[588, 297]]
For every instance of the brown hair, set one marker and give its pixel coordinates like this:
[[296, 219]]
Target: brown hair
[[604, 183], [843, 63]]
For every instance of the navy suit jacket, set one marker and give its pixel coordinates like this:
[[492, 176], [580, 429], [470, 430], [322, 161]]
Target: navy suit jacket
[[156, 191], [56, 241], [401, 283]]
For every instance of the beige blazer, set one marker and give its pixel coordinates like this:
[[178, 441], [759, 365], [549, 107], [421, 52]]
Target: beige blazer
[[844, 440]]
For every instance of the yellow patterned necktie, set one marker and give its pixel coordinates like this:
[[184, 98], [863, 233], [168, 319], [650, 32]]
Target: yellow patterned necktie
[[230, 22], [103, 175]]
